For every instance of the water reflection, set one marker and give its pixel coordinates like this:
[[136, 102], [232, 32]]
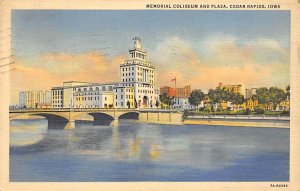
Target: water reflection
[[178, 147], [25, 132]]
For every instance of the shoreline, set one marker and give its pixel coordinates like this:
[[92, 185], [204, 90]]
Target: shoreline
[[264, 123]]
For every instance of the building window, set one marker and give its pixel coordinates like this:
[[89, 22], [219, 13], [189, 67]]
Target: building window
[[116, 97], [105, 98], [121, 96]]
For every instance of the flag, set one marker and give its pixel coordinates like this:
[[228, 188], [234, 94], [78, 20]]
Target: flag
[[173, 80]]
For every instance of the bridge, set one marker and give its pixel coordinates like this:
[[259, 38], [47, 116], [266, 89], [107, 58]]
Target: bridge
[[65, 118]]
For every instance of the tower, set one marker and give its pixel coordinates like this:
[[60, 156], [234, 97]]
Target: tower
[[137, 52], [140, 74]]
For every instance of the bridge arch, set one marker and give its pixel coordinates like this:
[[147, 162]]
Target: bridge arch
[[101, 118], [130, 115], [55, 121]]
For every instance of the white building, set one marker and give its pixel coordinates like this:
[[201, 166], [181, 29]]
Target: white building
[[183, 104], [94, 96], [62, 97], [136, 89], [34, 99], [124, 97], [139, 73], [83, 95]]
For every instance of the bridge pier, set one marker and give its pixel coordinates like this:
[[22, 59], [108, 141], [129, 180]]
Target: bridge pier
[[70, 125], [115, 122]]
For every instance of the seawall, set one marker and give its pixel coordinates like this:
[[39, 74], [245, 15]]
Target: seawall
[[272, 122], [162, 117]]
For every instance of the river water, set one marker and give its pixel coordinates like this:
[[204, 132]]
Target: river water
[[146, 152]]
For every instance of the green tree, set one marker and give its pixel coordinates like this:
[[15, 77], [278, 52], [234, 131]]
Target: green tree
[[263, 95], [157, 103], [276, 95], [222, 95], [236, 98], [164, 98], [259, 111], [288, 94], [273, 94], [196, 97], [135, 103], [128, 103], [214, 96], [254, 97]]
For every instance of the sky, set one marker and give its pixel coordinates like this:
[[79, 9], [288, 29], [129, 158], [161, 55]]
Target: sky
[[199, 48]]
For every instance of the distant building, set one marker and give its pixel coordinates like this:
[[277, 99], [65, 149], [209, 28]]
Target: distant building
[[233, 88], [251, 104], [183, 103], [183, 92], [35, 99], [250, 92], [283, 106], [169, 91], [226, 105]]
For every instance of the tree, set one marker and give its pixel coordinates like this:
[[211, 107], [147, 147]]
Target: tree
[[128, 104], [254, 97], [196, 97], [288, 94], [263, 95], [259, 111], [276, 95], [157, 103], [236, 98], [164, 98], [272, 95], [135, 103]]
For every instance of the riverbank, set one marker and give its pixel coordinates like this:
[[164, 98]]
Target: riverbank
[[239, 121]]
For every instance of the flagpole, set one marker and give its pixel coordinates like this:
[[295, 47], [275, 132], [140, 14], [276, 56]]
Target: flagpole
[[175, 87]]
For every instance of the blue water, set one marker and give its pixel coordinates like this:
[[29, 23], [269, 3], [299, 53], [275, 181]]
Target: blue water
[[147, 152]]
